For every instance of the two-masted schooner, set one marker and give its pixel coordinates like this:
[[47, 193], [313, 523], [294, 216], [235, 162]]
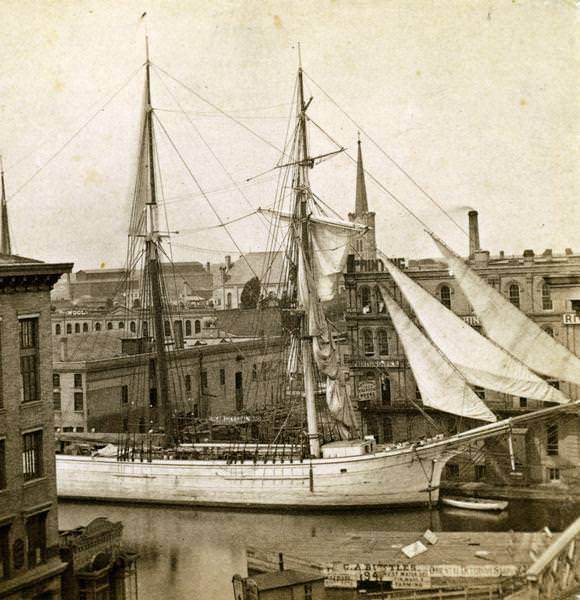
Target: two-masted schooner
[[321, 473]]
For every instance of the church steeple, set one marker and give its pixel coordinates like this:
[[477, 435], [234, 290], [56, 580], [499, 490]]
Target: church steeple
[[361, 204], [5, 247]]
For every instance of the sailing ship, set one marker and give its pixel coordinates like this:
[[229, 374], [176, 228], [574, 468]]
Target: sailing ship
[[326, 467]]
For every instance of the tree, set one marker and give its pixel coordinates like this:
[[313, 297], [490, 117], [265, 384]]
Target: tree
[[250, 293]]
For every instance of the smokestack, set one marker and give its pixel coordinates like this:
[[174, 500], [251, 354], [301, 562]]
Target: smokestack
[[228, 262], [63, 349], [473, 232]]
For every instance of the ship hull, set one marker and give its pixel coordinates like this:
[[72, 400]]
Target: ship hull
[[404, 477]]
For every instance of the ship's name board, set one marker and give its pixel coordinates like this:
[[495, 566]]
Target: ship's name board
[[408, 576], [571, 319]]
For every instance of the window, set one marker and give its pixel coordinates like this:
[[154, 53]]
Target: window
[[145, 329], [188, 383], [68, 328], [29, 367], [78, 380], [4, 552], [132, 327], [239, 391], [552, 439], [3, 482], [57, 329], [445, 296], [452, 471], [380, 300], [77, 327], [383, 342], [124, 395], [554, 383], [85, 327], [55, 380], [36, 534], [365, 299], [547, 303], [386, 391], [480, 472], [523, 402], [203, 378], [68, 429], [188, 328], [197, 325], [97, 326], [109, 325], [121, 324], [80, 429], [56, 400], [479, 392], [167, 328], [229, 300], [368, 344], [514, 294], [554, 474], [78, 401], [153, 397], [32, 455], [222, 376], [575, 306]]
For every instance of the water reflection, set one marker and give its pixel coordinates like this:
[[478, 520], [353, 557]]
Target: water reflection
[[187, 553]]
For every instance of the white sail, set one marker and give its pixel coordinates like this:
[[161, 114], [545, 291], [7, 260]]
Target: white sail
[[441, 385], [509, 327], [478, 359], [329, 242]]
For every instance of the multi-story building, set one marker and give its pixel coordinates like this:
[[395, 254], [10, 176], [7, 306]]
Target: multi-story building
[[546, 287], [30, 566], [101, 384]]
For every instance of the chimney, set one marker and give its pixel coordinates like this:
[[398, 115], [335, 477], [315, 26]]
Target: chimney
[[473, 233], [528, 257], [63, 349], [501, 254], [208, 267], [228, 262]]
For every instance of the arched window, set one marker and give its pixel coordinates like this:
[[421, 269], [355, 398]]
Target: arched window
[[77, 327], [188, 328], [132, 327], [57, 329], [365, 299], [109, 325], [85, 327], [68, 328], [380, 300], [229, 300], [167, 328], [197, 326], [546, 298], [97, 326], [514, 294], [368, 344], [121, 324], [382, 342], [386, 391], [188, 383], [445, 296]]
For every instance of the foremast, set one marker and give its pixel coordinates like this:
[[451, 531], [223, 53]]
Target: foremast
[[302, 189], [153, 266]]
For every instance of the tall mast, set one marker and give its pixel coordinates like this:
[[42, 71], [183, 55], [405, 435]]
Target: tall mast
[[302, 190], [152, 241], [5, 246]]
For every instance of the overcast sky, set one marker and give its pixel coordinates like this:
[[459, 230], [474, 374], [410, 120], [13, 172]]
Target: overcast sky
[[476, 100]]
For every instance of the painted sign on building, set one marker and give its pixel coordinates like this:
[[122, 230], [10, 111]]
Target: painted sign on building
[[367, 391], [571, 319]]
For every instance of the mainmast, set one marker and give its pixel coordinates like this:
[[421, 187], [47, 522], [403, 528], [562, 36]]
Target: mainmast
[[302, 191], [5, 246], [153, 267]]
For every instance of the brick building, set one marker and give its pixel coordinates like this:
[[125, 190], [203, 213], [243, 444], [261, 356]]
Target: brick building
[[100, 385], [30, 566], [546, 287]]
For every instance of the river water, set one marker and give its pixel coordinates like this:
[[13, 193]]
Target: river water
[[192, 553]]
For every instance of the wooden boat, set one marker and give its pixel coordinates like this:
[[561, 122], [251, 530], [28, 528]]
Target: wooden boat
[[328, 467], [474, 503]]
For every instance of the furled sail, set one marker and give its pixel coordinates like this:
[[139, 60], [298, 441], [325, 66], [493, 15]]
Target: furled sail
[[479, 360], [323, 348], [507, 326], [441, 385], [329, 240]]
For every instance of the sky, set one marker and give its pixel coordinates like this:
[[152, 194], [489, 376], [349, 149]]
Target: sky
[[475, 100]]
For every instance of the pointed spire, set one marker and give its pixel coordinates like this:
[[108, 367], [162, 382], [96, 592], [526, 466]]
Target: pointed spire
[[361, 206], [5, 246]]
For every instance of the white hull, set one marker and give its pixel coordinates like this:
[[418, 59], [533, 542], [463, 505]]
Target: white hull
[[475, 504], [407, 476]]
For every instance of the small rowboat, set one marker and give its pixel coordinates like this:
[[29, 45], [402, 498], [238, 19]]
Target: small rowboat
[[475, 503]]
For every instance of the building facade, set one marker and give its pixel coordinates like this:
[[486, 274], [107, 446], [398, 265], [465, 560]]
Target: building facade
[[30, 566]]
